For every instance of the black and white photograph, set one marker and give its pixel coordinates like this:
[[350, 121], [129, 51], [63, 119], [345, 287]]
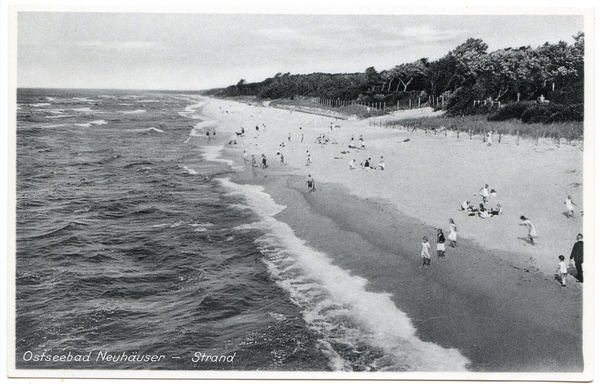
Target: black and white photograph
[[255, 193]]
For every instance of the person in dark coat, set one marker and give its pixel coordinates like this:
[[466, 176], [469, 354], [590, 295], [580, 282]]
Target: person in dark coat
[[577, 257]]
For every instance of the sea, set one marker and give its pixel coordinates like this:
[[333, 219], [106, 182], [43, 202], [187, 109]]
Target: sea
[[136, 250]]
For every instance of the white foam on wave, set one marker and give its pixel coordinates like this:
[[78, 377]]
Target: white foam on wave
[[134, 112], [336, 304], [92, 123], [213, 154], [199, 128], [190, 171]]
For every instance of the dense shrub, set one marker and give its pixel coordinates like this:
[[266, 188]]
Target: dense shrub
[[511, 111], [550, 113], [534, 112]]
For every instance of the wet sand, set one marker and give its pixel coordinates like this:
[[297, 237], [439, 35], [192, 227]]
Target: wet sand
[[502, 310]]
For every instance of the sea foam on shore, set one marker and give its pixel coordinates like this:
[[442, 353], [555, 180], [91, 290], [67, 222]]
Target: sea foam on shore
[[337, 305]]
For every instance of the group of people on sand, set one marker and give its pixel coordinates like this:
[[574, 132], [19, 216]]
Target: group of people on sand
[[577, 257], [362, 143], [368, 165], [440, 244], [483, 210]]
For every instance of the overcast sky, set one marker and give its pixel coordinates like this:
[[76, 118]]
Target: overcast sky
[[199, 51]]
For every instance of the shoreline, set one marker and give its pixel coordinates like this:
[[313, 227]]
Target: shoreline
[[496, 312]]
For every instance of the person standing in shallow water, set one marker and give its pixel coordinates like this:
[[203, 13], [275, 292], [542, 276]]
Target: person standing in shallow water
[[577, 257]]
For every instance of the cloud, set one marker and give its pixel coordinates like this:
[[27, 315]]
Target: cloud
[[426, 33]]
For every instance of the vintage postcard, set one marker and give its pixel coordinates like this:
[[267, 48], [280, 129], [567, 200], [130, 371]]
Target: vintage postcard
[[252, 193]]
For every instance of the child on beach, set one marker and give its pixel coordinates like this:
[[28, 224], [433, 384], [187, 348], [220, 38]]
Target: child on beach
[[532, 232], [562, 270], [425, 252], [485, 193], [453, 233], [441, 247], [570, 210], [311, 184]]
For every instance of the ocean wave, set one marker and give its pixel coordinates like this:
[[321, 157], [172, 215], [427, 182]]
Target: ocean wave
[[135, 112], [337, 304], [213, 154]]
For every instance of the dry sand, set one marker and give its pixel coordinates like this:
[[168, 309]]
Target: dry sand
[[494, 297]]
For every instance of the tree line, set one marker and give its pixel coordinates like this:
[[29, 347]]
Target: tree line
[[547, 82]]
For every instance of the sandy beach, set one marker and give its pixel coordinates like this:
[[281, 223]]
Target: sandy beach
[[494, 297]]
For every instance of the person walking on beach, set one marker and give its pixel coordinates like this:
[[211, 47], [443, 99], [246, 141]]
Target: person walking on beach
[[311, 184], [245, 157], [308, 160], [208, 135], [577, 257], [263, 162], [425, 253], [253, 161], [453, 234], [562, 270], [489, 138], [281, 160], [570, 209], [532, 232], [441, 247]]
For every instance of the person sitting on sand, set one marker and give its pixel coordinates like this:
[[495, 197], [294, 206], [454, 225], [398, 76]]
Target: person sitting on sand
[[381, 163], [465, 205], [496, 211], [425, 253], [562, 270], [441, 247], [311, 184], [367, 164], [532, 233], [453, 233], [570, 209], [353, 164], [363, 145], [484, 214]]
